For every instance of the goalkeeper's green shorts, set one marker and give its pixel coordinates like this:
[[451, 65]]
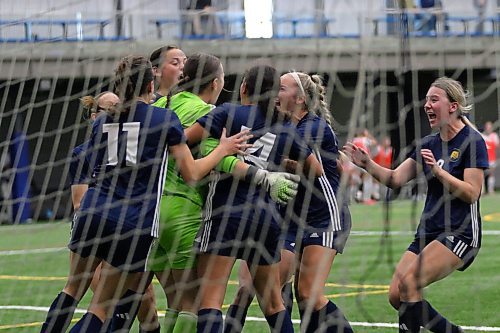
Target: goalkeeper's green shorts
[[180, 220]]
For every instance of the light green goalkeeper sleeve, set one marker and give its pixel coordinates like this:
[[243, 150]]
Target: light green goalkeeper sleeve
[[227, 164]]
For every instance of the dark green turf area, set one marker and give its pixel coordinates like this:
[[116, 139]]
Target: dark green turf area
[[469, 298]]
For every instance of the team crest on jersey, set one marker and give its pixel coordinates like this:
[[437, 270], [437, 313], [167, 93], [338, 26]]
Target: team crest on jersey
[[455, 154]]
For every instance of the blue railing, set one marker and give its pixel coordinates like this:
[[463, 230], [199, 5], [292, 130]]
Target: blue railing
[[201, 25], [231, 25], [437, 24], [81, 28]]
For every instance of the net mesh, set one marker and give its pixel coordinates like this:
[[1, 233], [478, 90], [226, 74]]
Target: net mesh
[[376, 72]]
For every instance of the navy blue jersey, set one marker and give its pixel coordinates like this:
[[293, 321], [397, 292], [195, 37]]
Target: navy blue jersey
[[129, 155], [80, 170], [443, 212], [271, 143], [319, 197]]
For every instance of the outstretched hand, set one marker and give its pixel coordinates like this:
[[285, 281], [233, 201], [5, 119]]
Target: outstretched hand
[[357, 155], [235, 144]]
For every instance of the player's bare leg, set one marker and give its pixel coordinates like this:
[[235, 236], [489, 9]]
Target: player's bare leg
[[316, 310], [266, 281], [214, 272], [434, 263], [404, 263]]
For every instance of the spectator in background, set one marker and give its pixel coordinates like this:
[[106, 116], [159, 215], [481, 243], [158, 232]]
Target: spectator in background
[[492, 145], [366, 142], [480, 6], [204, 20], [408, 4], [352, 173], [425, 20], [383, 157]]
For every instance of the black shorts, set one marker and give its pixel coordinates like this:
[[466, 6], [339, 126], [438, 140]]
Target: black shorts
[[122, 247], [256, 243], [330, 239], [459, 245], [289, 241]]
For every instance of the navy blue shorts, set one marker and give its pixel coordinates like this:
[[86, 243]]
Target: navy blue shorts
[[289, 241], [331, 239], [459, 245], [122, 247], [256, 243]]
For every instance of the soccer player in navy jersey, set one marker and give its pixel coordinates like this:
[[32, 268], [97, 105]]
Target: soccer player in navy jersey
[[81, 173], [240, 220], [79, 168], [321, 219], [448, 237], [317, 226], [119, 216], [168, 63]]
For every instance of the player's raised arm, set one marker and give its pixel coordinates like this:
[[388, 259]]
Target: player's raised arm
[[405, 172], [194, 170]]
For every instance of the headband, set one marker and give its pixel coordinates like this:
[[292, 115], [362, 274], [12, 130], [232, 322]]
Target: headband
[[299, 84]]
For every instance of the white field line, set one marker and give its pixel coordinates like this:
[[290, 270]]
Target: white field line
[[258, 319], [33, 308], [406, 233], [32, 251], [353, 233]]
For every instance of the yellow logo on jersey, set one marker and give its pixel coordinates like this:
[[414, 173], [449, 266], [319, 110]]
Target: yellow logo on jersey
[[455, 154]]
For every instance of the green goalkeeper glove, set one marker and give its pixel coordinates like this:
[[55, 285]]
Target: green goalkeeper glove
[[281, 186]]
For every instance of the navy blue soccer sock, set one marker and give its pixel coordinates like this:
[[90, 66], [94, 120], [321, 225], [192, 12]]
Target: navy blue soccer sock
[[287, 295], [60, 313], [209, 321], [235, 319], [125, 311], [280, 322], [410, 317], [88, 323], [435, 322], [330, 319]]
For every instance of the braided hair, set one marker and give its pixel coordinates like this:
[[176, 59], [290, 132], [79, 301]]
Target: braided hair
[[314, 92], [133, 75]]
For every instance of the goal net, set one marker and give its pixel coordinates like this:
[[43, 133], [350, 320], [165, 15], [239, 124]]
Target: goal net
[[377, 60]]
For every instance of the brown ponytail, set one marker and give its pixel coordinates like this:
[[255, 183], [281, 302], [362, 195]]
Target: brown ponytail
[[133, 75]]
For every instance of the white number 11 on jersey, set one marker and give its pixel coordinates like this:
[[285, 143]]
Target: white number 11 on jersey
[[132, 130]]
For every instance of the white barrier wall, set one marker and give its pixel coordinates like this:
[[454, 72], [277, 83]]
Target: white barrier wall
[[346, 17], [352, 17]]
